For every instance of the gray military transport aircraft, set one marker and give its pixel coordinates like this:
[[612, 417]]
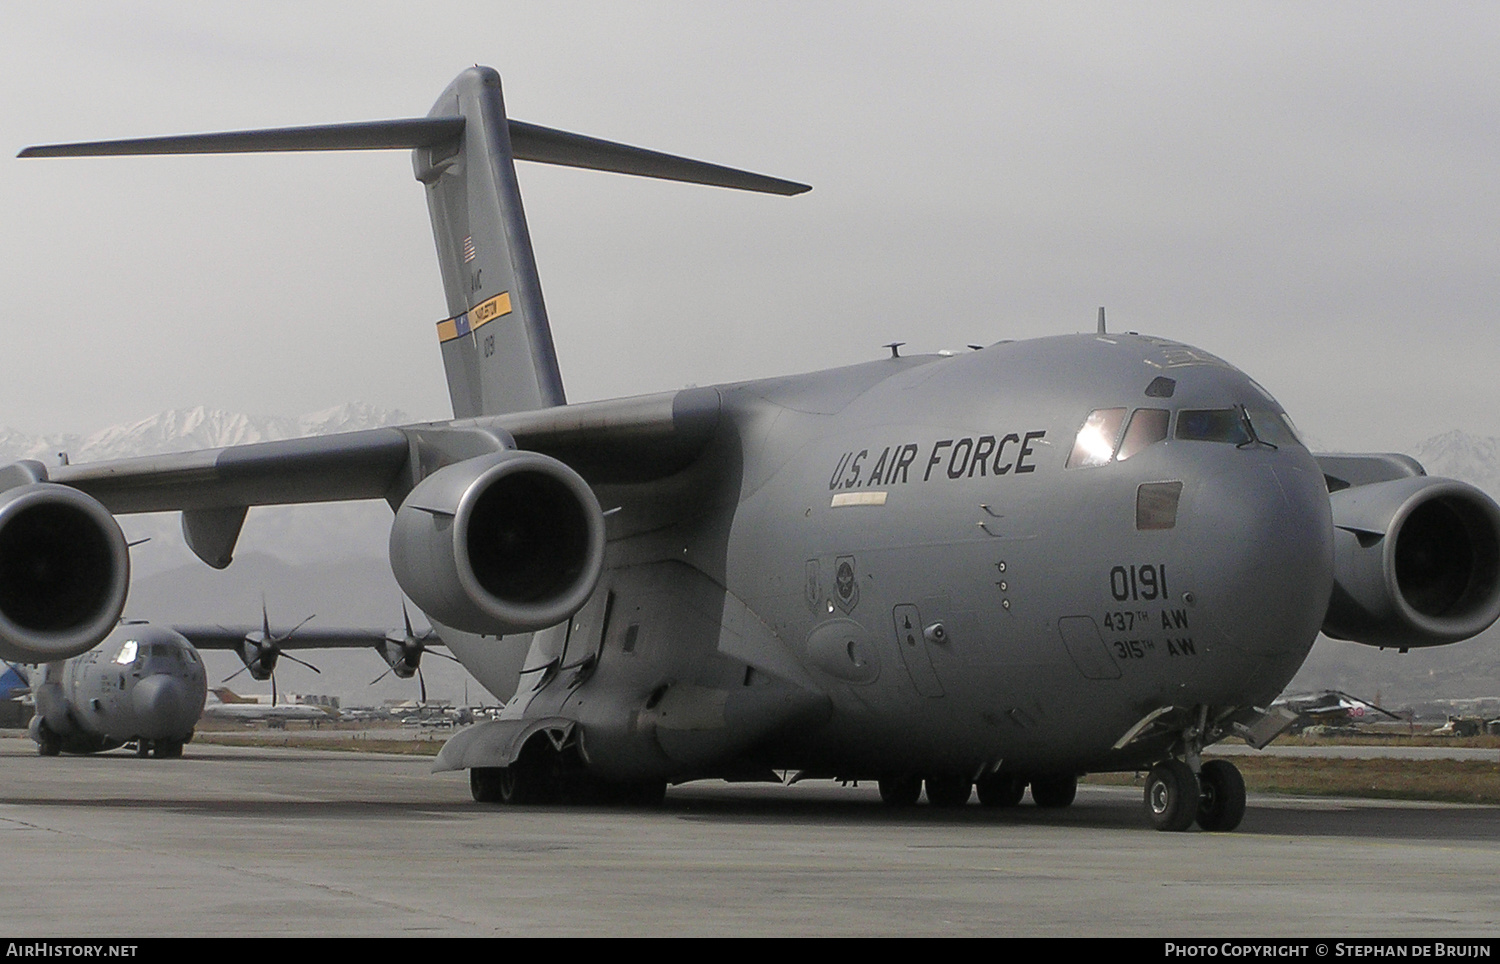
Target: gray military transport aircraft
[[146, 685], [143, 685], [1092, 552]]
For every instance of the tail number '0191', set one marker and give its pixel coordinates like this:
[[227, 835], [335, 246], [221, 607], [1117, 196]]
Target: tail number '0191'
[[1135, 583]]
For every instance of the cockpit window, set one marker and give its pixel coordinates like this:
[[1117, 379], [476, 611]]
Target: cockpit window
[[1147, 427], [1213, 425], [1273, 428], [1095, 444], [1237, 426]]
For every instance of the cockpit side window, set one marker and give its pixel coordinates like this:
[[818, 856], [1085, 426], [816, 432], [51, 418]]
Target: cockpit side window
[[1147, 427], [1095, 444], [1273, 428]]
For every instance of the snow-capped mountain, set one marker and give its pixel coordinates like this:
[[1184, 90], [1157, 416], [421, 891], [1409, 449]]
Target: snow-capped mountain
[[185, 430], [1468, 458], [293, 534]]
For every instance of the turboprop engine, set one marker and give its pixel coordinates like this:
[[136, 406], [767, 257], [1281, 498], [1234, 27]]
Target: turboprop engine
[[64, 573], [1416, 563], [505, 543]]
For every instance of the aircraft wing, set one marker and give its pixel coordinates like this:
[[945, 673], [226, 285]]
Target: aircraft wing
[[621, 440], [231, 637], [527, 476]]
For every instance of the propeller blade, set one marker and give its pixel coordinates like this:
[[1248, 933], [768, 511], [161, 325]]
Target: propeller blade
[[302, 662], [282, 639]]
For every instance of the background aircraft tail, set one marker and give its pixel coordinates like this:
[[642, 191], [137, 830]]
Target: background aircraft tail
[[496, 342]]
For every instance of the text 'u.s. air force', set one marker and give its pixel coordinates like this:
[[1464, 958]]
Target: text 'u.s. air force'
[[962, 458]]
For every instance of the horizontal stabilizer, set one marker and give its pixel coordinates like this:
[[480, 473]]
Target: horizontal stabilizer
[[367, 136], [547, 146], [529, 142]]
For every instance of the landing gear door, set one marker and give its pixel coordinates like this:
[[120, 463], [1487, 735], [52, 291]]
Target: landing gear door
[[565, 655], [586, 635]]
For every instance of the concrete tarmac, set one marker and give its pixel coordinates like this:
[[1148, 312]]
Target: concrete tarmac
[[240, 841]]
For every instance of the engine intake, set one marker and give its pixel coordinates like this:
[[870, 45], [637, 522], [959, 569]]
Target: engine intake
[[505, 543], [1416, 563], [64, 573]]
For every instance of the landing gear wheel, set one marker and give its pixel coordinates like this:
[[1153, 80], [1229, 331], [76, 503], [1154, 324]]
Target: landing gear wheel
[[511, 786], [900, 791], [1171, 796], [484, 784], [48, 743], [1001, 790], [1221, 800], [948, 791], [535, 778], [1054, 791]]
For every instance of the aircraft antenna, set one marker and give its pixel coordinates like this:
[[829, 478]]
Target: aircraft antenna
[[1101, 319]]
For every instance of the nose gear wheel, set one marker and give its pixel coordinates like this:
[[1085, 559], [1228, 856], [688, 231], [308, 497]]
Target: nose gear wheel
[[1172, 795]]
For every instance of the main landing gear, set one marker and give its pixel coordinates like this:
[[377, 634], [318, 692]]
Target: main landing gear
[[544, 775], [945, 791], [1176, 796], [47, 742]]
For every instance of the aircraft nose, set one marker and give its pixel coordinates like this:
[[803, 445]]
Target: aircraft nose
[[164, 706], [1264, 558]]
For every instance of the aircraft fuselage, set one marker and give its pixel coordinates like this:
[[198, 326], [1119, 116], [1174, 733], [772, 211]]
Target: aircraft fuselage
[[142, 683], [920, 563]]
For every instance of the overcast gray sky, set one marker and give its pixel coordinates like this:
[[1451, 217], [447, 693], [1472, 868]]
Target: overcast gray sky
[[1308, 190]]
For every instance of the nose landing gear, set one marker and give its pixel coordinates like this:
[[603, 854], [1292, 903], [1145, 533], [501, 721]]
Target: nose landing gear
[[1214, 797], [1221, 801]]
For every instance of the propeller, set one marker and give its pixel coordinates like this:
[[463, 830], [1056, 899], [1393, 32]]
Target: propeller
[[404, 653], [260, 651]]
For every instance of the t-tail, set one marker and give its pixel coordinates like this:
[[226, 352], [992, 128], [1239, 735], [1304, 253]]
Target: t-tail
[[496, 341]]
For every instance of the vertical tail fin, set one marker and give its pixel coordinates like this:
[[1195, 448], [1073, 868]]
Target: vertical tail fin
[[496, 343]]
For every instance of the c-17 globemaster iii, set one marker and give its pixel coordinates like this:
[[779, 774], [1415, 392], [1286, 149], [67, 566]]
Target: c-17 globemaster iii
[[1012, 566]]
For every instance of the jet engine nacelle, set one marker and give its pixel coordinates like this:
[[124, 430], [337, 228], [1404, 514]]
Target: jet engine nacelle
[[505, 543], [1416, 563], [64, 573]]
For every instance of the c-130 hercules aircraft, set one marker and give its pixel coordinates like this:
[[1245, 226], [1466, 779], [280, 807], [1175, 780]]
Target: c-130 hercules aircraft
[[1094, 552]]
